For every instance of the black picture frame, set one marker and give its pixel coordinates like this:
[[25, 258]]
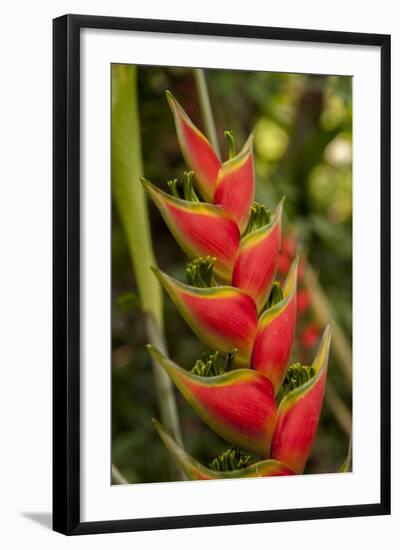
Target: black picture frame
[[66, 273]]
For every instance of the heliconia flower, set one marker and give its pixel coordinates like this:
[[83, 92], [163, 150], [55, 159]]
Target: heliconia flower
[[196, 471], [196, 150], [243, 388], [257, 260], [201, 229], [239, 405], [235, 185], [275, 335], [223, 317], [299, 412]]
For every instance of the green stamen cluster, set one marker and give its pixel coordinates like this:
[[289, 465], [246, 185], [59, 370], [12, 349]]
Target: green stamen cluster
[[199, 272], [296, 376], [188, 190], [260, 215], [275, 296], [213, 364], [232, 459], [189, 194], [172, 185], [231, 142]]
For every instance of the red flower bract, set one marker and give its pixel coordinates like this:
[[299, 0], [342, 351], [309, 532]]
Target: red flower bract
[[196, 149], [257, 261], [235, 186], [275, 335], [238, 405], [299, 412]]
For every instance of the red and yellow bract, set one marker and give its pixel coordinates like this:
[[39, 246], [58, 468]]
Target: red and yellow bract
[[243, 405]]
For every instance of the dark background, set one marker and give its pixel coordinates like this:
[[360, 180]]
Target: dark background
[[302, 126]]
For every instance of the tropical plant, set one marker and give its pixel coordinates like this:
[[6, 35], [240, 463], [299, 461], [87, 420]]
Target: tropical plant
[[243, 388]]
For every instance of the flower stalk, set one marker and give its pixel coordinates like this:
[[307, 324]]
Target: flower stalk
[[206, 111]]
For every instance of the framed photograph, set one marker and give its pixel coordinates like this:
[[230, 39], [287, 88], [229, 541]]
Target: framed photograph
[[221, 274]]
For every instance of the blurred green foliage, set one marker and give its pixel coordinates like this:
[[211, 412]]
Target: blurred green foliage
[[302, 126]]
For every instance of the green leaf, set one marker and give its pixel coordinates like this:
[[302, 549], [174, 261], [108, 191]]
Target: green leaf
[[128, 192]]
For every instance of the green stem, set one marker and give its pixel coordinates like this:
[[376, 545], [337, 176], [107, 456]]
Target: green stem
[[131, 205], [205, 105]]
